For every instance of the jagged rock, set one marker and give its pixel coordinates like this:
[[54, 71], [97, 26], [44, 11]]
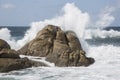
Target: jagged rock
[[4, 45], [59, 47]]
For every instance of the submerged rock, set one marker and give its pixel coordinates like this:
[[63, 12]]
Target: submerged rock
[[59, 47], [10, 59]]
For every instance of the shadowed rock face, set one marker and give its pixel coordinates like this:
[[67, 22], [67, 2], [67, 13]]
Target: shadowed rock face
[[9, 64], [4, 45], [59, 47], [10, 59], [8, 53]]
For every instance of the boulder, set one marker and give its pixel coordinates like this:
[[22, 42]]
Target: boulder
[[10, 59], [8, 53], [9, 64], [4, 45], [62, 48]]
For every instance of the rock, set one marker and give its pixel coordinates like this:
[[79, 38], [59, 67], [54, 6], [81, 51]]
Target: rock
[[60, 50], [10, 59], [8, 53], [24, 50], [9, 64], [41, 45], [73, 41], [4, 45], [59, 47]]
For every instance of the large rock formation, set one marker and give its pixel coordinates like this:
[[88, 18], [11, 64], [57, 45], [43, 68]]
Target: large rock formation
[[10, 59], [59, 47]]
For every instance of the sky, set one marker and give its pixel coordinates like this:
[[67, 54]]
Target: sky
[[24, 12]]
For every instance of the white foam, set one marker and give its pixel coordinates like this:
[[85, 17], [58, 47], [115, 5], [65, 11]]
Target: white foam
[[98, 33], [5, 35], [106, 67], [72, 18], [39, 59]]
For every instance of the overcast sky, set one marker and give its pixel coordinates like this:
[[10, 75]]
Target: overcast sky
[[23, 12]]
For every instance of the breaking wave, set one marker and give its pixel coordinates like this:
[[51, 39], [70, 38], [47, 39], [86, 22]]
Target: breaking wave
[[98, 33], [72, 18]]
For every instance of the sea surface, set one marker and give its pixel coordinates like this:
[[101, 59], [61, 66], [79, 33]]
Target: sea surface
[[16, 31], [101, 44]]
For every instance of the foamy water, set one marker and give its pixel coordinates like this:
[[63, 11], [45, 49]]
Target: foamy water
[[106, 67], [107, 57]]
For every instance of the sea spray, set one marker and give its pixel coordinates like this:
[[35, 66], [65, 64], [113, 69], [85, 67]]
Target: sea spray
[[5, 35], [72, 18], [98, 33]]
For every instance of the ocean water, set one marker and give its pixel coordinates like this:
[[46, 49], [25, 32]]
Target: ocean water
[[16, 32], [100, 42]]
